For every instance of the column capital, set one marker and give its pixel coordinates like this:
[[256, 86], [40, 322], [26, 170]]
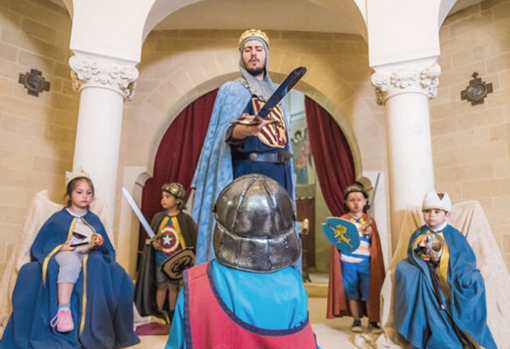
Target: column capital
[[407, 79], [103, 73]]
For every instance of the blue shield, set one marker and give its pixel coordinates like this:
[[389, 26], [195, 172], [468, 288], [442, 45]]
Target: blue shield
[[342, 234]]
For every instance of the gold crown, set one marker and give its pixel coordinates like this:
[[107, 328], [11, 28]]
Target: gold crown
[[254, 32]]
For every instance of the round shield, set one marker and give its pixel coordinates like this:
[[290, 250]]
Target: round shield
[[174, 266], [342, 234]]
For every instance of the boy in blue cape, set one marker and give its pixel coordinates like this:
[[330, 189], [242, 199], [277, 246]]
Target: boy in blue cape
[[249, 296], [440, 293]]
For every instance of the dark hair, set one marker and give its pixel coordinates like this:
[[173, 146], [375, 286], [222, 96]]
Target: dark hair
[[72, 185]]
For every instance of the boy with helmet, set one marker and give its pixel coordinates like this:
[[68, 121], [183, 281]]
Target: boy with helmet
[[249, 296], [356, 277], [175, 230]]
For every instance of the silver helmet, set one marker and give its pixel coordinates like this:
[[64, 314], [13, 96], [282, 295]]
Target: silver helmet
[[255, 228]]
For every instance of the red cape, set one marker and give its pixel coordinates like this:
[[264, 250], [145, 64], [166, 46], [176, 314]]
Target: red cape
[[337, 304]]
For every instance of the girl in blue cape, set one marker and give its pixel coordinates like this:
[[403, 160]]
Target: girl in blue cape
[[72, 297], [440, 293]]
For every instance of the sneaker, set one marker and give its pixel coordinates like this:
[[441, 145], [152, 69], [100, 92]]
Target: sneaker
[[356, 326], [374, 328], [63, 321]]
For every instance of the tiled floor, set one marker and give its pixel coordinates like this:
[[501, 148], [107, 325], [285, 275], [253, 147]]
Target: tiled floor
[[331, 334]]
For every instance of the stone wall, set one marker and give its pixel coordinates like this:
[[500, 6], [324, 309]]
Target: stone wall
[[36, 133], [471, 144]]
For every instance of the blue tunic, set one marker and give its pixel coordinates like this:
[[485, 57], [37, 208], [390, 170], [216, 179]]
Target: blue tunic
[[215, 168], [418, 316], [106, 294], [256, 298]]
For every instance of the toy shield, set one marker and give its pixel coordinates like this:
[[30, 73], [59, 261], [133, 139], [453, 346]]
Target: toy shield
[[342, 234], [175, 265]]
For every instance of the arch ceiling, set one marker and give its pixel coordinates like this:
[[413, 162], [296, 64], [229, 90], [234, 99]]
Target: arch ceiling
[[333, 16], [286, 15]]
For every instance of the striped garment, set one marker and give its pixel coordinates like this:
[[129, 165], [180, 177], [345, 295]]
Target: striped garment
[[273, 134], [363, 252]]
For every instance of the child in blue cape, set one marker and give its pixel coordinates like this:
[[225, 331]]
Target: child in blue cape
[[439, 292], [69, 297]]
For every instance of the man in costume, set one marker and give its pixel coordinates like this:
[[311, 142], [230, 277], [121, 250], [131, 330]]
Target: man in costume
[[175, 230], [350, 294], [231, 151], [101, 301], [440, 293], [249, 296]]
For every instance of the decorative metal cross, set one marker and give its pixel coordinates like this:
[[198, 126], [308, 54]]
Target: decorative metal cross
[[34, 82], [476, 91]]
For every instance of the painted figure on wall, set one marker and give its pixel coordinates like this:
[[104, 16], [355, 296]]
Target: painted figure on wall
[[303, 157]]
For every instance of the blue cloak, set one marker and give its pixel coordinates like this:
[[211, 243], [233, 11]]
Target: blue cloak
[[214, 169], [418, 316], [101, 303], [256, 298]]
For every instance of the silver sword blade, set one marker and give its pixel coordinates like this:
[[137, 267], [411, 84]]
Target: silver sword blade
[[146, 226], [372, 203], [290, 81]]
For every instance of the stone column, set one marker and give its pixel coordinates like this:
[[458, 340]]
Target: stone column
[[104, 85], [405, 92]]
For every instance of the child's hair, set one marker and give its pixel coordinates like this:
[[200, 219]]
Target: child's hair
[[72, 185]]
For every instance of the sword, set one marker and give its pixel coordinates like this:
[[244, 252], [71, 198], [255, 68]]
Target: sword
[[146, 226], [371, 209], [290, 81]]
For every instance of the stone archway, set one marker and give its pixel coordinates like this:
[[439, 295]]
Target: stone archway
[[176, 72], [194, 76]]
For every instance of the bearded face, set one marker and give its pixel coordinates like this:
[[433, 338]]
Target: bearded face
[[254, 57]]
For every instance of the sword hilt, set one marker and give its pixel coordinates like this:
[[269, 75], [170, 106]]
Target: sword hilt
[[253, 122]]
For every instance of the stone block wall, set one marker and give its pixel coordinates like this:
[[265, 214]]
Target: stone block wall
[[471, 144], [36, 133]]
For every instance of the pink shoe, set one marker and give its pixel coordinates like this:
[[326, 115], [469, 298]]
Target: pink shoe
[[63, 320]]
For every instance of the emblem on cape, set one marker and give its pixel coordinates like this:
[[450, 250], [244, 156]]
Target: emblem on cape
[[342, 234], [169, 240], [174, 266]]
